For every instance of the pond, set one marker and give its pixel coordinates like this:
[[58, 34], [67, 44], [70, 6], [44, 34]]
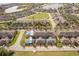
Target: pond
[[12, 9]]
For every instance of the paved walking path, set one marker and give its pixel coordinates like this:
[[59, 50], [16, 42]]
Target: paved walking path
[[52, 21], [42, 48]]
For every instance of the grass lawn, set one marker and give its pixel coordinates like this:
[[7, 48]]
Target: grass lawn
[[39, 15], [47, 53], [25, 6], [13, 40], [23, 40]]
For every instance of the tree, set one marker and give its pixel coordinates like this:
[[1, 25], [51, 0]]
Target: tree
[[5, 52], [13, 18]]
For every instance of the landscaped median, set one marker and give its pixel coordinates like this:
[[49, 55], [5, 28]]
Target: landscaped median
[[58, 42], [23, 40], [13, 40]]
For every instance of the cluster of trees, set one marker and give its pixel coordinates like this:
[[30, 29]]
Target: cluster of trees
[[26, 25], [46, 10], [5, 52], [72, 21]]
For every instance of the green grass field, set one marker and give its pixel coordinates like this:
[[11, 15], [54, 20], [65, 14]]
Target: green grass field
[[25, 6], [47, 53], [39, 15]]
